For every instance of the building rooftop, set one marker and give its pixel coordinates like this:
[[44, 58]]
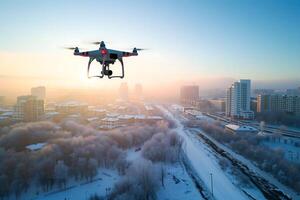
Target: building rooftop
[[193, 112], [92, 119], [155, 117], [35, 147], [235, 127], [71, 103], [110, 119], [148, 108], [7, 114], [126, 116]]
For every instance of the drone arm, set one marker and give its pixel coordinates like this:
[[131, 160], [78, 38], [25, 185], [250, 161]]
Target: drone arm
[[121, 61]]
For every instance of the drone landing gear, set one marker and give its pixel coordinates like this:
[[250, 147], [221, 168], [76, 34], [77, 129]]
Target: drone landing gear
[[105, 70], [88, 70], [122, 76]]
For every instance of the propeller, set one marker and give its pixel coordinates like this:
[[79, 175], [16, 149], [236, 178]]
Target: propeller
[[140, 49], [136, 49], [96, 43], [70, 48], [73, 48]]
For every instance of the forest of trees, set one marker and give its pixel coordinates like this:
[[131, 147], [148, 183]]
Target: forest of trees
[[77, 151], [250, 146]]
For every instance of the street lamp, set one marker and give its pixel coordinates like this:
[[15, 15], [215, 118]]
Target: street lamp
[[211, 184]]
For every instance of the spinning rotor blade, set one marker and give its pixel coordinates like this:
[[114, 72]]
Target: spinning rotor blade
[[137, 49], [141, 49], [70, 48], [96, 43], [73, 48]]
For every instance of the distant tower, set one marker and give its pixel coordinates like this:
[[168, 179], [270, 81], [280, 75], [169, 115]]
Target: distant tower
[[123, 92], [189, 94], [138, 91], [39, 92]]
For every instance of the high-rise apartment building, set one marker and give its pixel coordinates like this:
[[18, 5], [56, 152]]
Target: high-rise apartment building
[[189, 94], [39, 92], [238, 98], [28, 108]]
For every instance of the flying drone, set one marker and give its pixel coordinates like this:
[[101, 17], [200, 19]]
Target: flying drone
[[105, 57]]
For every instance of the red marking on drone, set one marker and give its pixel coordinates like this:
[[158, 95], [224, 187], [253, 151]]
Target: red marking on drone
[[103, 51]]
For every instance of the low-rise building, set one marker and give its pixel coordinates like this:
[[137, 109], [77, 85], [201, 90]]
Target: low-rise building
[[35, 147], [237, 129], [71, 107], [115, 120], [109, 123]]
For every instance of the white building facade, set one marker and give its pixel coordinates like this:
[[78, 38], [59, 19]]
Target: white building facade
[[238, 97]]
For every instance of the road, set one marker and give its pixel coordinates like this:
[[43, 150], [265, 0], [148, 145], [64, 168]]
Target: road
[[204, 165]]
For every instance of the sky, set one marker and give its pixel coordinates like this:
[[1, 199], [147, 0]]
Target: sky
[[187, 41]]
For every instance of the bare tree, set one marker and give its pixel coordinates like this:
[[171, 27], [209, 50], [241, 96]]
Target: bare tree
[[91, 168], [61, 174], [140, 182], [162, 174]]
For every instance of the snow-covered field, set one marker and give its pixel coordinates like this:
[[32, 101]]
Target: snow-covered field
[[178, 185], [184, 189]]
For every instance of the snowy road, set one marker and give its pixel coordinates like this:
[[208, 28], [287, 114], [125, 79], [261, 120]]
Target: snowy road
[[204, 164]]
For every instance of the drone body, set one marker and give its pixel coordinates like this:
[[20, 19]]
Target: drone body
[[105, 57]]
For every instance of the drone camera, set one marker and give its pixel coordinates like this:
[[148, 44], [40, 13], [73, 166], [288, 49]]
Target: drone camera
[[108, 72]]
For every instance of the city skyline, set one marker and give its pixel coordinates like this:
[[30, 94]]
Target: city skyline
[[198, 40], [171, 99]]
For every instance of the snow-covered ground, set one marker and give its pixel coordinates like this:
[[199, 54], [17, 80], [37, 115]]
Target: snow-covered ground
[[184, 189], [178, 185], [236, 177], [80, 190], [205, 164]]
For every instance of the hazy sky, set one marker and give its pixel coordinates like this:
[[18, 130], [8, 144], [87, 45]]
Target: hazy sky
[[187, 40]]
